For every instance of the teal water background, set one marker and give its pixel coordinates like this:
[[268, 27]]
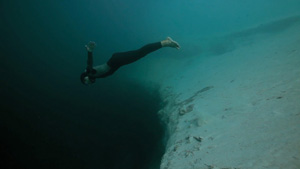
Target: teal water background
[[50, 120]]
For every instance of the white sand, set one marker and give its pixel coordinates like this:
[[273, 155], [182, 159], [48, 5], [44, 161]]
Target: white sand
[[248, 118]]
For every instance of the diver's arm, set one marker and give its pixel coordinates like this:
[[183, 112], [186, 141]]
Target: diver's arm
[[97, 71], [90, 61], [90, 47]]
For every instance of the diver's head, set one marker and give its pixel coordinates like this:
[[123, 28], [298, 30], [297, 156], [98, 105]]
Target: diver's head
[[86, 80]]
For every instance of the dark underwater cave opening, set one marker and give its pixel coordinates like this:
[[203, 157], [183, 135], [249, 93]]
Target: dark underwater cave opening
[[115, 126]]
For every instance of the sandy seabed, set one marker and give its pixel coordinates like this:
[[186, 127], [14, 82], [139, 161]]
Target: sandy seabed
[[239, 109]]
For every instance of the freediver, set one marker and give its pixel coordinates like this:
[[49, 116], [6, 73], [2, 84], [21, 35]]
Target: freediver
[[119, 59]]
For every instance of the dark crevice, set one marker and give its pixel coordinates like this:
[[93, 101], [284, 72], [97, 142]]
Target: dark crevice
[[111, 127]]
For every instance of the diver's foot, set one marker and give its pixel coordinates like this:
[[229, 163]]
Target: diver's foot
[[169, 42]]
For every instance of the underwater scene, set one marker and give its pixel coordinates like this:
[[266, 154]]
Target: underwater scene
[[160, 84]]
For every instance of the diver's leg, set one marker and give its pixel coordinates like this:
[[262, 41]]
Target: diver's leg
[[124, 58]]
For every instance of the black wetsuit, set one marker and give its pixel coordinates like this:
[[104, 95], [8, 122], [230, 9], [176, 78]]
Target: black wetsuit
[[120, 59]]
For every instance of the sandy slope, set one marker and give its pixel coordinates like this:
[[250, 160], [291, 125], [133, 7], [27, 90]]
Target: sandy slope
[[239, 109]]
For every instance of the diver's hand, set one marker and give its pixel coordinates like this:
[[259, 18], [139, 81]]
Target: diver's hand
[[90, 46]]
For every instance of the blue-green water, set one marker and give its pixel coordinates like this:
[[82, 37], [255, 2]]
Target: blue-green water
[[50, 120]]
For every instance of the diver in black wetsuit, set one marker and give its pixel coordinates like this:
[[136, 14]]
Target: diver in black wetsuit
[[119, 59]]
